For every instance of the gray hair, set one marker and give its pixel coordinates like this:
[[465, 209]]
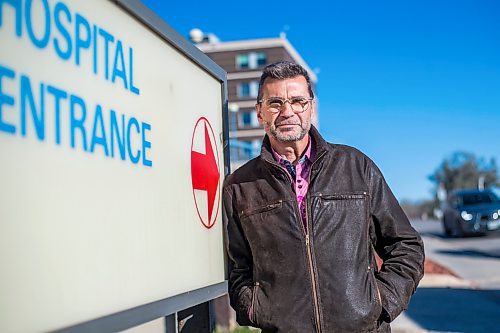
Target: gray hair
[[282, 70]]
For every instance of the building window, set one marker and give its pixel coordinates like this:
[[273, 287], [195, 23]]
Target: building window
[[233, 121], [246, 119], [248, 89], [242, 61], [244, 89], [261, 59], [251, 60], [242, 150]]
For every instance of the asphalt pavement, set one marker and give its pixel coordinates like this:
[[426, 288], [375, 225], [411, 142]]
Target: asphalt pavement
[[443, 303]]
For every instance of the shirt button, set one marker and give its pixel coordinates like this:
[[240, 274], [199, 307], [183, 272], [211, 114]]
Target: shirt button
[[300, 186], [299, 180]]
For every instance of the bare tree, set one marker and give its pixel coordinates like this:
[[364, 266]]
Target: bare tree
[[464, 170]]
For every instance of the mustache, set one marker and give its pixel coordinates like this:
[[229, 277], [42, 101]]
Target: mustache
[[287, 122]]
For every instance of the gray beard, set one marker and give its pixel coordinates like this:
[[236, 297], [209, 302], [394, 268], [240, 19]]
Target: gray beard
[[291, 136]]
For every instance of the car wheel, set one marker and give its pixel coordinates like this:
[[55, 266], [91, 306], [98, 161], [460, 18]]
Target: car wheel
[[457, 230], [447, 231]]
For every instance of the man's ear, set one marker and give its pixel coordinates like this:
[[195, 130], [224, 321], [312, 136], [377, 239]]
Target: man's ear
[[258, 109], [313, 107]]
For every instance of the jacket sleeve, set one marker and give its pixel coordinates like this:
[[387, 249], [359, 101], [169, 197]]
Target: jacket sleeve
[[398, 245], [239, 261]]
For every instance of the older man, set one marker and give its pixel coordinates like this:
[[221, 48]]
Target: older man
[[304, 221]]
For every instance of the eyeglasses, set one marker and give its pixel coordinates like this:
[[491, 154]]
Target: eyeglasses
[[276, 104]]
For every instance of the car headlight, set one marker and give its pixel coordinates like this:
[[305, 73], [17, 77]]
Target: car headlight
[[466, 216], [496, 215]]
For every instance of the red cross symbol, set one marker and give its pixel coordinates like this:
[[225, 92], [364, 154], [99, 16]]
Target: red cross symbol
[[205, 172]]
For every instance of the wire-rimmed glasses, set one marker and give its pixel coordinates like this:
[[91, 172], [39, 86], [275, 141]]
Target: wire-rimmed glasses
[[276, 104]]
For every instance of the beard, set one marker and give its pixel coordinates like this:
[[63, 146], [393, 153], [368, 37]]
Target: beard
[[287, 135]]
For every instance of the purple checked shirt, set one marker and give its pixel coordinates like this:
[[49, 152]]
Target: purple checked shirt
[[299, 174]]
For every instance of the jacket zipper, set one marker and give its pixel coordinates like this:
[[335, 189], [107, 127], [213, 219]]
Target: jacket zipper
[[309, 253], [313, 282], [343, 196], [308, 246], [252, 305]]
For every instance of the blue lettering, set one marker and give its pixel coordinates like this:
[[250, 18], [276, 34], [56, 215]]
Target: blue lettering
[[107, 38], [42, 42], [6, 99], [115, 131], [79, 42], [100, 140], [145, 145], [133, 158], [61, 8], [94, 47], [52, 22], [58, 95], [119, 72], [78, 123], [17, 5], [133, 88], [38, 121], [132, 140]]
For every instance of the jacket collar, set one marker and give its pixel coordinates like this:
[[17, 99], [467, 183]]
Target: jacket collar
[[320, 143]]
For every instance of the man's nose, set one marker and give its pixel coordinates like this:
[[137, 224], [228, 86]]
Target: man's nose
[[286, 110]]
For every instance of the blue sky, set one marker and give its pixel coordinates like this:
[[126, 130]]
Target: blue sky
[[407, 82]]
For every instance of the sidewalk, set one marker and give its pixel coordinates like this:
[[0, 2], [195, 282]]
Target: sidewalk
[[436, 276], [404, 324], [447, 303]]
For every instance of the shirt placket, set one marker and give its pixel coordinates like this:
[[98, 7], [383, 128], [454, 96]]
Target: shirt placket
[[297, 174]]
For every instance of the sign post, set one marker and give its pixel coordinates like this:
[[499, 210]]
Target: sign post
[[113, 135]]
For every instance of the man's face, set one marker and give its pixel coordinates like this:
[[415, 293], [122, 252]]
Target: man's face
[[285, 125]]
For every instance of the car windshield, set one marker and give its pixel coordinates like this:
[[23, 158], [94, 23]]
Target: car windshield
[[478, 198]]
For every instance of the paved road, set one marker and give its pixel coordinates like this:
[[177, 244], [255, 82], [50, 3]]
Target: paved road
[[455, 308], [476, 259]]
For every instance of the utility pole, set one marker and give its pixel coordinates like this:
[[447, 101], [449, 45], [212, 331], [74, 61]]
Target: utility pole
[[480, 182]]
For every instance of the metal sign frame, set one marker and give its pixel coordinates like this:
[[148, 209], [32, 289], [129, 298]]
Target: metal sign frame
[[145, 313]]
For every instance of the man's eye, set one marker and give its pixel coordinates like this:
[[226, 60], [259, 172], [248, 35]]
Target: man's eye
[[275, 102], [300, 101]]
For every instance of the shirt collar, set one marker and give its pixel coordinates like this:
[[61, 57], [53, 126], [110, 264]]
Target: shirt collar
[[305, 157]]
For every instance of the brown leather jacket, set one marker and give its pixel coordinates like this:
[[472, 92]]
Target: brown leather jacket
[[324, 280]]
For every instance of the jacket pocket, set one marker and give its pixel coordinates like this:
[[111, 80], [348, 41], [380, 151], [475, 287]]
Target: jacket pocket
[[378, 295], [344, 196], [260, 209], [261, 309]]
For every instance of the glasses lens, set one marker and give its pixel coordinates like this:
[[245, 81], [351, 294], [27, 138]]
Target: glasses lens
[[299, 104], [275, 104]]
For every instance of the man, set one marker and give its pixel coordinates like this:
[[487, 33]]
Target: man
[[304, 221]]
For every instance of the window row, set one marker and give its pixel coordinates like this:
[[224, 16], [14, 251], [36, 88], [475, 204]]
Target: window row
[[243, 150], [251, 60], [243, 119]]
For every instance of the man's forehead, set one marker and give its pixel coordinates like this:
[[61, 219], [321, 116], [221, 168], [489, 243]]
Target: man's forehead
[[298, 83]]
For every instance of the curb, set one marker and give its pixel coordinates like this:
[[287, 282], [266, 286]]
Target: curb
[[444, 281]]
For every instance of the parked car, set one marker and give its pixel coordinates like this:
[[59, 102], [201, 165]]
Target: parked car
[[469, 212]]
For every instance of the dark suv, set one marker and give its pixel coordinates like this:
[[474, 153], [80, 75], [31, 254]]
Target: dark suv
[[471, 212]]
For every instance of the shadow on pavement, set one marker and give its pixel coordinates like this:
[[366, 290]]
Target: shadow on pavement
[[441, 235], [432, 234], [456, 310], [472, 253]]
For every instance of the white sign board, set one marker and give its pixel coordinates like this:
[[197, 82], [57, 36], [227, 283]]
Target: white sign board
[[111, 165]]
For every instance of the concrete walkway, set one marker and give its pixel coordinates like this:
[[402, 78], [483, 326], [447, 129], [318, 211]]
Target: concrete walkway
[[404, 324], [444, 303]]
